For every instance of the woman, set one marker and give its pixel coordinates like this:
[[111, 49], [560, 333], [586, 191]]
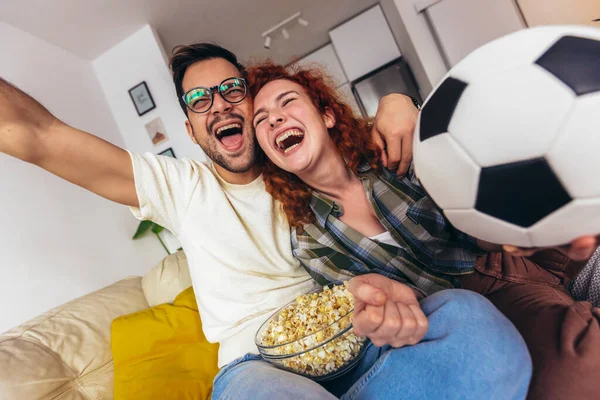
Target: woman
[[350, 217], [294, 132]]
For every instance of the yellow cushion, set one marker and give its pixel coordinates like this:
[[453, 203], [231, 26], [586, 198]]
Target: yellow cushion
[[162, 353]]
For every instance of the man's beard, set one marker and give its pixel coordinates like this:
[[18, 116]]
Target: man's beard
[[220, 160]]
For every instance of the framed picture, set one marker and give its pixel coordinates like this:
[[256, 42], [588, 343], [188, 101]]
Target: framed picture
[[156, 131], [142, 99], [168, 152]]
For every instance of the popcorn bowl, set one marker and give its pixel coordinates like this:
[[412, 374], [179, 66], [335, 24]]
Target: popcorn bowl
[[312, 335]]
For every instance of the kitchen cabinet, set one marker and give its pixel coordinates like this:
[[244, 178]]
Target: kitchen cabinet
[[325, 57], [364, 43]]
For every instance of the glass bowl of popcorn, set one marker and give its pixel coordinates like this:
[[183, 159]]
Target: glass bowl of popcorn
[[312, 335]]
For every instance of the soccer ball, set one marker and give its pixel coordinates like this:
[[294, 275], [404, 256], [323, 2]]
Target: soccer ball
[[508, 145]]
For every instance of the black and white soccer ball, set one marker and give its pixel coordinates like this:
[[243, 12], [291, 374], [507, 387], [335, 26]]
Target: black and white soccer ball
[[508, 145]]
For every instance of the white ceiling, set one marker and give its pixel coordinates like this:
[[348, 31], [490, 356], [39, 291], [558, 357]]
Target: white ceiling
[[88, 28]]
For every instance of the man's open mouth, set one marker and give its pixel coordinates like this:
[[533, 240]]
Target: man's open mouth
[[289, 140], [230, 135]]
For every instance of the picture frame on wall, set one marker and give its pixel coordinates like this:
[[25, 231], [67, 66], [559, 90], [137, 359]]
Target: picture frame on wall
[[156, 131], [142, 99], [168, 152]]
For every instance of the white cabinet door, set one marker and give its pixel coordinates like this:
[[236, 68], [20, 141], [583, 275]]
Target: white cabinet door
[[325, 57], [461, 26], [364, 43]]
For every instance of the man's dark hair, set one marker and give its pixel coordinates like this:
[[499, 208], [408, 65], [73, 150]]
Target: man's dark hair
[[184, 56]]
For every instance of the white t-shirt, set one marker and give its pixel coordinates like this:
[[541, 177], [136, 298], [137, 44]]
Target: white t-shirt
[[237, 242], [385, 237]]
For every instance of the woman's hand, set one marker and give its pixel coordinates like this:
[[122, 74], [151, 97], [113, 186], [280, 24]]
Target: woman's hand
[[393, 131], [386, 311], [579, 249]]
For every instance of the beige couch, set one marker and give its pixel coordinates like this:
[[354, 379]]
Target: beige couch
[[65, 353]]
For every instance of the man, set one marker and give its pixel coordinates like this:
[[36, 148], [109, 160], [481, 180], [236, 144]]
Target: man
[[236, 240]]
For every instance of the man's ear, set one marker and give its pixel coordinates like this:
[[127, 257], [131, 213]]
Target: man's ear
[[190, 131], [329, 118]]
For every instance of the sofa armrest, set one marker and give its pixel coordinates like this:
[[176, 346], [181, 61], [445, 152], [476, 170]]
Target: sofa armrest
[[67, 349]]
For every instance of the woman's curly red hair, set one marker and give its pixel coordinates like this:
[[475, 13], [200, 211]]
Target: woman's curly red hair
[[350, 135]]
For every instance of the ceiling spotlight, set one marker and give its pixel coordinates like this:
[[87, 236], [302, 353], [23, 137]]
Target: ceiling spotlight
[[282, 26]]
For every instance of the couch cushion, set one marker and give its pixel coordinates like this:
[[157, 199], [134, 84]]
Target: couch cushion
[[161, 353], [165, 281], [65, 352]]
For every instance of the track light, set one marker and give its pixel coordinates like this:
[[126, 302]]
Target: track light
[[282, 26]]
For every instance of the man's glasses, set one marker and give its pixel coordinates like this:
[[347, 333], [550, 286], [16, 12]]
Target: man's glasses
[[200, 99]]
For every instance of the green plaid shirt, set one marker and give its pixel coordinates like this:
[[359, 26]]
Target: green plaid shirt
[[431, 250]]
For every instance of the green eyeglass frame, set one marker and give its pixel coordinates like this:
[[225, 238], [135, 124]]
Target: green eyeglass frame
[[200, 99]]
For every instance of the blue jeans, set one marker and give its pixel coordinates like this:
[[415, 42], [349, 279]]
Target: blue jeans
[[471, 351]]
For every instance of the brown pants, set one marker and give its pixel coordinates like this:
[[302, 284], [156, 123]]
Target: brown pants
[[563, 335]]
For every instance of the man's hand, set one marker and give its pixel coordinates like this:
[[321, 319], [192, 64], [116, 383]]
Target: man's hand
[[393, 131], [579, 249], [386, 311]]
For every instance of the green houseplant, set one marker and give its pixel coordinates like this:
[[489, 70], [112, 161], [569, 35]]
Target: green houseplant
[[146, 226]]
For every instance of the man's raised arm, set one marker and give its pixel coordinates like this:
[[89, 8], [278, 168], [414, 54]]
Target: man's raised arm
[[29, 132]]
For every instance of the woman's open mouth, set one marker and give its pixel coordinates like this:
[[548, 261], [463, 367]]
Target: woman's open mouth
[[289, 140]]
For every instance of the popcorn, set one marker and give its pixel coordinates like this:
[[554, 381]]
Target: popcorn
[[313, 319]]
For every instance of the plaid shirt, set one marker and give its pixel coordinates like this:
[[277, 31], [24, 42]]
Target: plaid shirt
[[431, 250]]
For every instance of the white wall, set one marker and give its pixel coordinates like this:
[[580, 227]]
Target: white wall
[[57, 240], [139, 58], [560, 12]]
